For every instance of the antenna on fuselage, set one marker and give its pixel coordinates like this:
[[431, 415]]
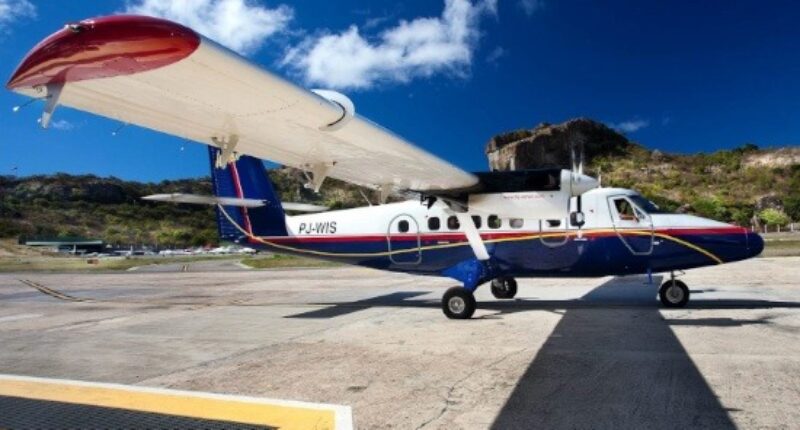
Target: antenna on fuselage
[[600, 176]]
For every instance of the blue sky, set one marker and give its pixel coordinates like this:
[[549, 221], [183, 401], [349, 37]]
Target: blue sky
[[677, 76]]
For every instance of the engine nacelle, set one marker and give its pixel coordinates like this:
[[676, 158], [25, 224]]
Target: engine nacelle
[[341, 100]]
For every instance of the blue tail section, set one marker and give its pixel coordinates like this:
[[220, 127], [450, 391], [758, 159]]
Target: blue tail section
[[246, 178]]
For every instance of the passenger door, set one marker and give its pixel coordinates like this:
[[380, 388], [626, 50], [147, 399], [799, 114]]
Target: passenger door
[[403, 240], [633, 226]]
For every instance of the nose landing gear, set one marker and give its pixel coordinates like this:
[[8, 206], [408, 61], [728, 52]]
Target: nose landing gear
[[674, 293]]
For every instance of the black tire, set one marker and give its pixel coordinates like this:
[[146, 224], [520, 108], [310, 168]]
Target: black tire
[[504, 288], [674, 294], [458, 303]]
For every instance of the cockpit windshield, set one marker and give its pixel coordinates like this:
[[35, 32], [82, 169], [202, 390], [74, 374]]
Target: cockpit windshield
[[646, 205]]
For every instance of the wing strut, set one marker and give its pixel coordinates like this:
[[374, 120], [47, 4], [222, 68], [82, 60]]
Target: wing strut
[[474, 238]]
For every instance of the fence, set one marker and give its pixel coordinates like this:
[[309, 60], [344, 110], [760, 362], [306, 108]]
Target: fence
[[791, 228]]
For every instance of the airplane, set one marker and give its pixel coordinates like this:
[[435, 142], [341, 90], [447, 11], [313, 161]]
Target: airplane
[[476, 228]]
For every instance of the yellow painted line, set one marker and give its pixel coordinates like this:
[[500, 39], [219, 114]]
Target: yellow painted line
[[282, 414], [455, 244]]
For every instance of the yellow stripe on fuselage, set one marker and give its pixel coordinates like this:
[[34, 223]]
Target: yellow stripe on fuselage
[[465, 243]]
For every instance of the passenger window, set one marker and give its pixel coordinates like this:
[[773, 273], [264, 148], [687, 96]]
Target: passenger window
[[477, 220], [516, 222], [402, 226], [494, 221], [553, 223], [433, 223], [624, 209], [452, 223]]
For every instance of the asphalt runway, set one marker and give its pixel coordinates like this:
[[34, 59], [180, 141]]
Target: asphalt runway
[[583, 353]]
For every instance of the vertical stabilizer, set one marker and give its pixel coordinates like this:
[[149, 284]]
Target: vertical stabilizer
[[246, 178]]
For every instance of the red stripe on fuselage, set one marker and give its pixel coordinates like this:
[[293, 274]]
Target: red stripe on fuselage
[[105, 47]]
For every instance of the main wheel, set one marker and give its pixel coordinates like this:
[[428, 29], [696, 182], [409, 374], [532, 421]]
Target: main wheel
[[458, 303], [674, 294], [504, 288]]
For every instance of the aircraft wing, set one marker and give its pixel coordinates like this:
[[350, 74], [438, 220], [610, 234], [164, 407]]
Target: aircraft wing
[[163, 76]]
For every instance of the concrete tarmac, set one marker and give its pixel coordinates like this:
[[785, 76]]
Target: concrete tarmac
[[580, 353]]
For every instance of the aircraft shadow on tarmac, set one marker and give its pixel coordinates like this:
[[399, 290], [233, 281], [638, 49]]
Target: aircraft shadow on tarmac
[[612, 360], [629, 292]]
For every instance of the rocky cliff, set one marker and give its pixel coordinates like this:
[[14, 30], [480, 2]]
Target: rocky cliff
[[549, 145]]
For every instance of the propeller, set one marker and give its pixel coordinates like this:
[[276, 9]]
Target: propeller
[[577, 218]]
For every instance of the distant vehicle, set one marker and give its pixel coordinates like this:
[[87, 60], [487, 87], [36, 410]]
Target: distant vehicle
[[173, 252], [476, 228]]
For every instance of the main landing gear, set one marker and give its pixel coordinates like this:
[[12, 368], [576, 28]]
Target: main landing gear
[[674, 293], [459, 303], [504, 288]]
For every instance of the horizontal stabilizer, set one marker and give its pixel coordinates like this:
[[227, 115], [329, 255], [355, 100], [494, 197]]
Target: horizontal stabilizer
[[303, 207], [205, 200], [229, 201]]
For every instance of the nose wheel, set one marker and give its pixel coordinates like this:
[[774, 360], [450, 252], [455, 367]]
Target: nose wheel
[[674, 293], [458, 303], [504, 288]]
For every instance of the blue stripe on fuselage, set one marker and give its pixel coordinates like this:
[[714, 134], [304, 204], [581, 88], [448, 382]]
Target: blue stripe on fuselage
[[596, 255]]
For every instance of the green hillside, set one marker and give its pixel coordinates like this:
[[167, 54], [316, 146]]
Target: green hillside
[[745, 185], [112, 209]]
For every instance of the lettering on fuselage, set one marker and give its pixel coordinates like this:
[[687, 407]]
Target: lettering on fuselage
[[323, 227]]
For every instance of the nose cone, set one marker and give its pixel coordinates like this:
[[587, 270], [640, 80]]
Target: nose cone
[[755, 243]]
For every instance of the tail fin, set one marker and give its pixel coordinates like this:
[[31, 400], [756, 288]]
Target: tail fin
[[246, 178]]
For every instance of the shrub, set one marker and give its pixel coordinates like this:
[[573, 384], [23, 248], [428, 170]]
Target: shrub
[[792, 207], [772, 216]]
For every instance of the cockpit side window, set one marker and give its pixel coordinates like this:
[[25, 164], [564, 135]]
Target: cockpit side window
[[624, 209], [646, 205]]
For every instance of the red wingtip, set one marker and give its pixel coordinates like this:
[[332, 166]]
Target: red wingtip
[[104, 47]]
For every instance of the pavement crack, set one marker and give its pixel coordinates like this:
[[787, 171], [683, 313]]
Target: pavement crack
[[448, 398]]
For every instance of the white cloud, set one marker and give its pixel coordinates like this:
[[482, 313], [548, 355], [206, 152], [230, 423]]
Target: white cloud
[[418, 48], [531, 6], [241, 25], [11, 10], [630, 126]]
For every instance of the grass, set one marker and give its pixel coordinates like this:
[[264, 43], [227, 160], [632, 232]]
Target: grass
[[781, 248], [81, 264], [285, 261]]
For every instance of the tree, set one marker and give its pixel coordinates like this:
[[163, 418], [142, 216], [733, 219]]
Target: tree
[[711, 207], [792, 206], [772, 216]]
